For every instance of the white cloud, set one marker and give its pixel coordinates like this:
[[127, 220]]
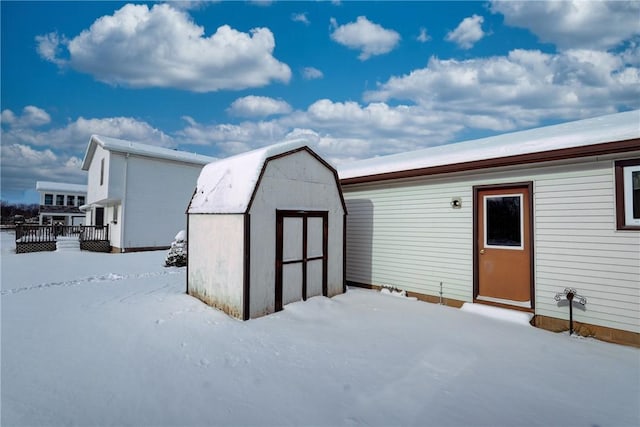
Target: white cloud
[[49, 47], [263, 3], [163, 47], [7, 117], [571, 24], [230, 138], [31, 117], [311, 73], [190, 4], [258, 106], [468, 32], [370, 38], [23, 165], [75, 135], [300, 17], [339, 130], [520, 89], [423, 37]]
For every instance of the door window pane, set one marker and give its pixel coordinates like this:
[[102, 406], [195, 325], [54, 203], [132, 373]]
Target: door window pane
[[503, 221], [315, 234], [292, 239]]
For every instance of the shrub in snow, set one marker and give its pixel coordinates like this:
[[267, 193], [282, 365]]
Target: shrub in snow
[[177, 256]]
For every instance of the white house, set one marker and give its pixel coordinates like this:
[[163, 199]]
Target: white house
[[266, 228], [139, 191], [509, 220], [60, 203]]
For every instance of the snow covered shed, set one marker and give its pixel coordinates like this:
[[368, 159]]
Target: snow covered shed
[[266, 228], [508, 220]]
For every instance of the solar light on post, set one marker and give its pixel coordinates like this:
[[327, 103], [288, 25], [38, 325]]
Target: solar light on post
[[570, 295]]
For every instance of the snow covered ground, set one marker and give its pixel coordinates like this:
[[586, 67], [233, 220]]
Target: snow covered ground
[[104, 339]]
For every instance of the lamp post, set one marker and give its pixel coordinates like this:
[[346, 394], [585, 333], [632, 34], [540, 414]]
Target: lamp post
[[570, 295]]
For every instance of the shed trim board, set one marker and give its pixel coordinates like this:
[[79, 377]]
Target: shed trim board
[[246, 278]]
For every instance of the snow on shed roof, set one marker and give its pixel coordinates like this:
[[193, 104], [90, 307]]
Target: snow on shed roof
[[226, 185], [609, 128], [60, 187], [124, 146]]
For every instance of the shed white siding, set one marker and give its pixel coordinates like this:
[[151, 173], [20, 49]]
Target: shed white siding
[[294, 182], [215, 248], [406, 234]]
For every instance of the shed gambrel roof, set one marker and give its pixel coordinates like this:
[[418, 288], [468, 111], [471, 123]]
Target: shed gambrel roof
[[589, 137], [227, 186], [140, 149]]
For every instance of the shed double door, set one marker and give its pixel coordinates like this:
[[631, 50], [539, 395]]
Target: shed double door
[[301, 255]]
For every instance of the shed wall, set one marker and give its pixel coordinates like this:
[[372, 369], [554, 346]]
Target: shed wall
[[216, 254], [293, 182], [407, 235]]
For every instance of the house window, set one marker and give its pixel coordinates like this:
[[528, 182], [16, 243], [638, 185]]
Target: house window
[[627, 174], [59, 199], [48, 199], [101, 171], [80, 200], [71, 200]]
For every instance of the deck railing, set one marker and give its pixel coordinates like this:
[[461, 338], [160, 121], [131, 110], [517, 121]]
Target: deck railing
[[49, 233]]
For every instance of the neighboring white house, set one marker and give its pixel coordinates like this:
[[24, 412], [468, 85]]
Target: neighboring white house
[[266, 228], [509, 220], [140, 191], [60, 203]]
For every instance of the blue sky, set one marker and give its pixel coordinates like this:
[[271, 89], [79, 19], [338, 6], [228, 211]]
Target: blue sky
[[356, 79]]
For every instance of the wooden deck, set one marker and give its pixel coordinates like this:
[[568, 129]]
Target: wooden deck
[[36, 238]]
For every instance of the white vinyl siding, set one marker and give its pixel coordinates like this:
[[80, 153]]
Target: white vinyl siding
[[406, 234]]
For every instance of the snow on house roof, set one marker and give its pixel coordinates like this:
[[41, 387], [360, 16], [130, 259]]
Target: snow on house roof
[[226, 186], [124, 146], [61, 187], [609, 128]]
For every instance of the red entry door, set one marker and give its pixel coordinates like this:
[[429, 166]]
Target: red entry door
[[504, 246]]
